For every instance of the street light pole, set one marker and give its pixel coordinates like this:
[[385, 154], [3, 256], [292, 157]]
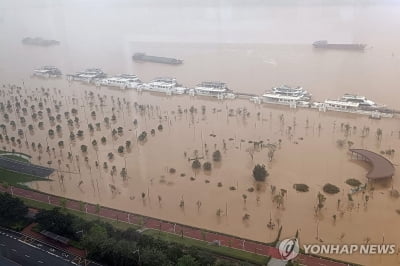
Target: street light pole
[[138, 252]]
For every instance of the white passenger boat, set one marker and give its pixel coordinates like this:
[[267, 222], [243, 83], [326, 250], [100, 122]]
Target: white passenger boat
[[47, 72], [340, 106], [363, 102], [89, 75], [214, 89], [286, 95], [122, 81], [165, 85], [356, 107]]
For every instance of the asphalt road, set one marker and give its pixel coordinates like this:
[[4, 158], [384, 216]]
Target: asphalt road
[[33, 253]]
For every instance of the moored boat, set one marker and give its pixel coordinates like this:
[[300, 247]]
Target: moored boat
[[364, 103], [122, 81], [156, 59], [47, 72], [339, 46], [356, 105], [286, 95], [216, 89], [37, 41], [165, 85], [89, 75]]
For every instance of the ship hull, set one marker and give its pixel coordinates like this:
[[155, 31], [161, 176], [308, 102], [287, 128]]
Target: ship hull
[[355, 47], [156, 59]]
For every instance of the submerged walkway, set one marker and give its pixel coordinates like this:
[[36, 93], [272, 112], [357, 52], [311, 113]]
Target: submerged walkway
[[187, 231], [381, 167]]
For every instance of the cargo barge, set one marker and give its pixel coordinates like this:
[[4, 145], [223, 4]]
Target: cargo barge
[[339, 46], [142, 57], [39, 41]]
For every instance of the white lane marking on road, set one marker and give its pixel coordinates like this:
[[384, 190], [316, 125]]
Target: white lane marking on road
[[2, 245], [40, 261], [27, 256], [14, 250]]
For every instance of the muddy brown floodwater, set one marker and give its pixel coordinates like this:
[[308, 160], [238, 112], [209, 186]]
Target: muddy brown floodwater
[[308, 153]]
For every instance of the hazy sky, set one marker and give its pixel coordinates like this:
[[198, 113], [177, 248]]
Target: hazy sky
[[199, 21]]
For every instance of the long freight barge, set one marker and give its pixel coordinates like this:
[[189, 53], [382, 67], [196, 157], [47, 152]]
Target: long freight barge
[[156, 59], [339, 46]]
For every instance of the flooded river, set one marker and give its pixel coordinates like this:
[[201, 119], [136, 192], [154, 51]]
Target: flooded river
[[244, 49]]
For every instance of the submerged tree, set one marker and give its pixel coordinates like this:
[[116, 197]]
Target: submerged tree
[[321, 201], [379, 134], [121, 149], [207, 166], [84, 148], [259, 172], [196, 164], [216, 156], [278, 199], [128, 144], [124, 173]]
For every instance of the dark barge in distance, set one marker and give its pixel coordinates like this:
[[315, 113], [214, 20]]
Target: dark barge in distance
[[156, 59], [339, 46], [37, 41]]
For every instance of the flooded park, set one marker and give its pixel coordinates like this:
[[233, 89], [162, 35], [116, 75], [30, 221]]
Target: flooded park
[[156, 155]]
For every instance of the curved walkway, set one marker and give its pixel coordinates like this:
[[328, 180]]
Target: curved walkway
[[169, 227], [381, 167]]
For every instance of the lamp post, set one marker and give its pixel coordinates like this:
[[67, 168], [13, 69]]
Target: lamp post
[[138, 252]]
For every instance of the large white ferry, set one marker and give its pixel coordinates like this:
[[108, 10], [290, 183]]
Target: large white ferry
[[89, 75], [351, 103], [165, 85], [287, 96], [122, 81], [47, 72], [339, 106], [214, 89], [363, 102]]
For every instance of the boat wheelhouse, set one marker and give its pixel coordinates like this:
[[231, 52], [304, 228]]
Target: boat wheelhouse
[[286, 95], [165, 85], [285, 90], [122, 81], [89, 75], [214, 89], [47, 72]]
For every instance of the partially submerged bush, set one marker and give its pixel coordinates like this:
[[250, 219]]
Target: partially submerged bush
[[207, 166], [353, 182], [301, 187], [172, 170], [330, 189]]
